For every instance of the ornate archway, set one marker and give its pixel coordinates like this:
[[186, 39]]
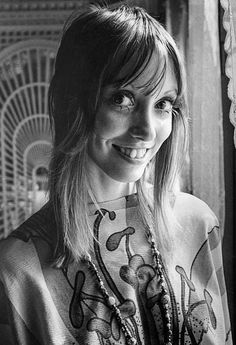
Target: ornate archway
[[25, 139]]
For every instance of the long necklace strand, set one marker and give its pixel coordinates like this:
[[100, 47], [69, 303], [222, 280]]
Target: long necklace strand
[[165, 298]]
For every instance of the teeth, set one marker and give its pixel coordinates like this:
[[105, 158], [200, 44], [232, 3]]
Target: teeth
[[127, 151], [141, 153], [133, 153]]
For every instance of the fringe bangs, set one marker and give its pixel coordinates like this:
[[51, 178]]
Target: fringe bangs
[[134, 52]]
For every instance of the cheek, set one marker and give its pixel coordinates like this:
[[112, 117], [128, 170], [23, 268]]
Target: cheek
[[109, 125], [164, 131]]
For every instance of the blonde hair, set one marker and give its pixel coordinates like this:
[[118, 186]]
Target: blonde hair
[[94, 47]]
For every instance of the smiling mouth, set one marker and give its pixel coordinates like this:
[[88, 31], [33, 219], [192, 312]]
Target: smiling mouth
[[131, 152]]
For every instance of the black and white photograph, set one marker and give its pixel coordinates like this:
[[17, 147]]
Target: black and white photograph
[[117, 172]]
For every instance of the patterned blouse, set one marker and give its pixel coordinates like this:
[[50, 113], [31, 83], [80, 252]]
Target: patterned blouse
[[63, 306]]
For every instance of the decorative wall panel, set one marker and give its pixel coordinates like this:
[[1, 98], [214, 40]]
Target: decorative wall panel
[[25, 140]]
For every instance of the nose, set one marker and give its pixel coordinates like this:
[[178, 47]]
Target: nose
[[143, 125]]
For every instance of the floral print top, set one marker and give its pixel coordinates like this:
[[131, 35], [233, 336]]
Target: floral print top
[[64, 306]]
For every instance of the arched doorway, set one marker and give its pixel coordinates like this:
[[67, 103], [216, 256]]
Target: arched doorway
[[25, 139]]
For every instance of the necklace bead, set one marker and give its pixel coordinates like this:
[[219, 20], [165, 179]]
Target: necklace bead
[[165, 298], [132, 341], [111, 301]]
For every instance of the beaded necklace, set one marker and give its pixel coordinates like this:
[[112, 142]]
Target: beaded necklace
[[165, 298]]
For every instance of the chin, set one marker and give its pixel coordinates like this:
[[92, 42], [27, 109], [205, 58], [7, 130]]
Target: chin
[[125, 177]]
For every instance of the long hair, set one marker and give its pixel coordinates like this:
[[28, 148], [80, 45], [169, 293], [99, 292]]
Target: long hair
[[94, 48]]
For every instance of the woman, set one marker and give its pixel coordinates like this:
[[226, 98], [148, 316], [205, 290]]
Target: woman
[[87, 269]]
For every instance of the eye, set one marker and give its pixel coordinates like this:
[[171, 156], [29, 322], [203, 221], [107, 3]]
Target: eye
[[123, 100], [165, 105]]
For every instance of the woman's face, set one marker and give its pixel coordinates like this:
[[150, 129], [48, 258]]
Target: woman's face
[[131, 126]]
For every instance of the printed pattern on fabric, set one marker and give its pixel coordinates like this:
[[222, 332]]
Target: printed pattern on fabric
[[198, 315], [71, 300]]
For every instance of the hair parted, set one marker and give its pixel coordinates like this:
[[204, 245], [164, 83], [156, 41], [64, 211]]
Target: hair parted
[[95, 46]]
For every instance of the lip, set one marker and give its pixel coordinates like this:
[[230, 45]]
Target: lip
[[133, 147], [129, 159]]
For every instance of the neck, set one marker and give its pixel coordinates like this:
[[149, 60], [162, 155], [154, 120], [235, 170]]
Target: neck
[[105, 188]]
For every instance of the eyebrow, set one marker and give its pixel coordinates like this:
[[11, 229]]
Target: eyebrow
[[168, 92]]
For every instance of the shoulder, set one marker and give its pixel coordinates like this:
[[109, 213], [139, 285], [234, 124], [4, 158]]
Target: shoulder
[[12, 250], [194, 213], [18, 259], [196, 232], [22, 263], [28, 244], [41, 224]]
